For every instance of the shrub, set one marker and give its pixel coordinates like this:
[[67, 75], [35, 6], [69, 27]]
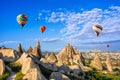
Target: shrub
[[15, 67], [4, 76], [19, 76], [71, 72], [69, 63], [80, 74]]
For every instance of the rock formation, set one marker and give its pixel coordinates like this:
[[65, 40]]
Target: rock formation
[[52, 58], [9, 55], [69, 56], [27, 65], [43, 60], [22, 58], [19, 49], [46, 55], [77, 71], [108, 63], [2, 67], [30, 49], [34, 74], [23, 50], [79, 59], [37, 51], [82, 59], [58, 76], [66, 55], [1, 55], [50, 66], [64, 69], [96, 63]]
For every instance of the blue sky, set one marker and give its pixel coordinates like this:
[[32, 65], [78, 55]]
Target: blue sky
[[68, 21]]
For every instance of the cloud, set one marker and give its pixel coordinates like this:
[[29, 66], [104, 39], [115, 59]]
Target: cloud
[[35, 39], [78, 25], [45, 40], [103, 42], [9, 42], [50, 40]]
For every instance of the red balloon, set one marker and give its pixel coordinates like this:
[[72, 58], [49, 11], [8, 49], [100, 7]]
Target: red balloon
[[42, 28]]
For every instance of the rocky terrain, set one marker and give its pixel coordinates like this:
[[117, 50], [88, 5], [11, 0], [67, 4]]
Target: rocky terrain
[[68, 64]]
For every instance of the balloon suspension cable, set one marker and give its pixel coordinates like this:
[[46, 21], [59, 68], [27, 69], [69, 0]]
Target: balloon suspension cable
[[96, 47], [97, 34], [22, 26]]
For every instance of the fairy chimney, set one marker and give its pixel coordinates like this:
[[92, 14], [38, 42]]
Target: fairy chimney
[[68, 55], [37, 51], [19, 50], [108, 63], [30, 49], [96, 63], [52, 58]]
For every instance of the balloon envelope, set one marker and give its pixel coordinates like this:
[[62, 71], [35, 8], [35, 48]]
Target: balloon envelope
[[108, 45], [42, 28], [22, 19], [97, 28]]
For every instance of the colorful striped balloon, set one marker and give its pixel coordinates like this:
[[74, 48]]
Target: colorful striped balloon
[[97, 28], [22, 19]]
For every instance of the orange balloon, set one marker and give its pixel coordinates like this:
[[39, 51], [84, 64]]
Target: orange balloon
[[42, 28]]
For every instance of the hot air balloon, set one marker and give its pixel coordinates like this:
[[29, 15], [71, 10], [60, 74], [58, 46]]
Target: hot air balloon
[[22, 19], [97, 28], [37, 19], [108, 45], [42, 28]]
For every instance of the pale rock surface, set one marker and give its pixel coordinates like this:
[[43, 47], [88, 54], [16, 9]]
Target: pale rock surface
[[43, 60], [22, 58], [9, 55], [52, 58], [109, 64], [96, 63], [66, 55], [58, 76], [34, 74], [69, 56], [2, 67], [27, 65]]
